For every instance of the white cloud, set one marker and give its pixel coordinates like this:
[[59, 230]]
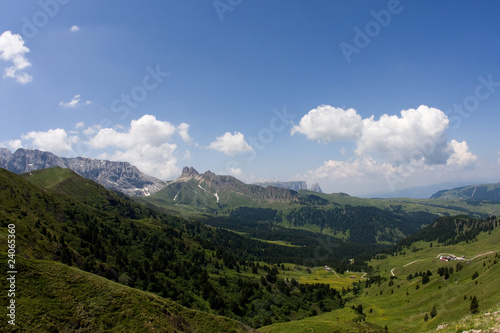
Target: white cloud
[[187, 155], [361, 169], [231, 144], [461, 156], [182, 129], [146, 130], [15, 144], [12, 49], [74, 102], [236, 172], [91, 130], [393, 151], [327, 123], [417, 134], [74, 28], [145, 144], [158, 161], [56, 140]]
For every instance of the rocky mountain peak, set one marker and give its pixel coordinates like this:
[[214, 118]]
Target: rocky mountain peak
[[5, 155], [315, 187], [189, 172], [119, 176], [208, 174]]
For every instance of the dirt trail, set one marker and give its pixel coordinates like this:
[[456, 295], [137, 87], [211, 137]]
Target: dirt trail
[[482, 254], [439, 255]]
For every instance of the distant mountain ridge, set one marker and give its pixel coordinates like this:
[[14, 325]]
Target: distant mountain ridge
[[118, 176], [489, 192], [208, 191], [291, 185]]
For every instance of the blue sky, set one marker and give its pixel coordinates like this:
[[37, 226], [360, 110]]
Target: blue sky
[[359, 96]]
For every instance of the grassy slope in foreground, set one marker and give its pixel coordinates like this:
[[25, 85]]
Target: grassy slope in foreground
[[402, 312], [52, 297]]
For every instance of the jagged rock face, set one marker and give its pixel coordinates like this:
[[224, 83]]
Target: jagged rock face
[[27, 160], [118, 176], [211, 189], [189, 172], [5, 155], [315, 187], [293, 185]]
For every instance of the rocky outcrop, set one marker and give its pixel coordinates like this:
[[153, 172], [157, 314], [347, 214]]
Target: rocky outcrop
[[118, 176], [27, 160], [315, 188], [209, 189], [189, 172], [293, 185], [5, 155]]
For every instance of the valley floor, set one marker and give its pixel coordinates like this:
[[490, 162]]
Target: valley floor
[[404, 304]]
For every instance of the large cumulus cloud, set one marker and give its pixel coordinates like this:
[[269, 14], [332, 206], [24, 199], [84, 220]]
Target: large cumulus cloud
[[146, 144], [12, 49], [231, 144], [326, 123], [413, 135]]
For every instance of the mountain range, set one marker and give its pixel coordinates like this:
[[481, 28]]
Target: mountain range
[[489, 192], [118, 176], [192, 278], [196, 194], [128, 179], [280, 214], [208, 191], [292, 185], [97, 260], [94, 260]]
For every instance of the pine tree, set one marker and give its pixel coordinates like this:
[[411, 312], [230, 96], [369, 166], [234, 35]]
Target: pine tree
[[474, 305], [433, 312]]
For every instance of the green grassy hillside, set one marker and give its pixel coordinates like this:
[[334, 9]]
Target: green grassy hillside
[[390, 297], [489, 192], [53, 297], [187, 262], [68, 183], [66, 225], [373, 221]]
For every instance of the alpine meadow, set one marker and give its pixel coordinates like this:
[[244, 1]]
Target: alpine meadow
[[250, 166]]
